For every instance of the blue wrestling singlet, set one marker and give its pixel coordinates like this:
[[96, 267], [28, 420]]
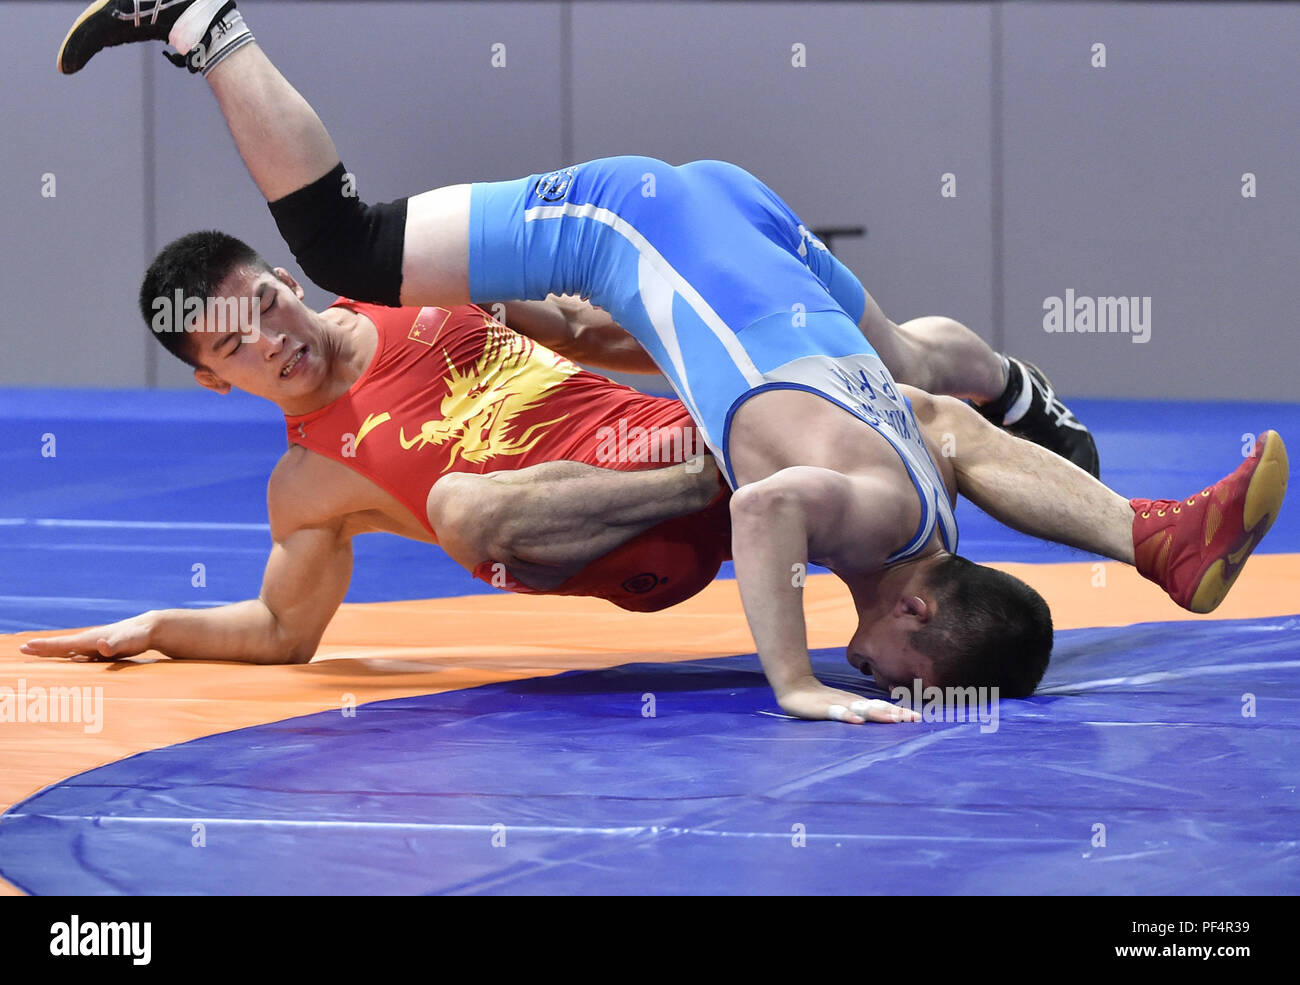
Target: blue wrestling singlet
[[720, 282]]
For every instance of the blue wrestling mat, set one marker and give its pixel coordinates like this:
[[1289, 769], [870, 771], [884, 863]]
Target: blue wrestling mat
[[560, 785]]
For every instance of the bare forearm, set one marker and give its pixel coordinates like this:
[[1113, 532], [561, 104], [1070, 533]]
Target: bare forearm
[[578, 331], [770, 548], [613, 349], [245, 631]]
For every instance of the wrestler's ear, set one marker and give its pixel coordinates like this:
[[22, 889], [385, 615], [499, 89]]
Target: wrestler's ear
[[915, 607], [290, 282], [210, 380]]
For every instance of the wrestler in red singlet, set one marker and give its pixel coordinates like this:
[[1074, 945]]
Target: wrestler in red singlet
[[457, 391]]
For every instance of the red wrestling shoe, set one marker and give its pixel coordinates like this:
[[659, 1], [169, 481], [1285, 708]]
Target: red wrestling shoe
[[1195, 548]]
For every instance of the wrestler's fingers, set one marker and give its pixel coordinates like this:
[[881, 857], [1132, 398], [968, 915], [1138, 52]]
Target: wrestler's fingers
[[876, 710], [841, 713], [871, 710], [72, 644], [100, 643]]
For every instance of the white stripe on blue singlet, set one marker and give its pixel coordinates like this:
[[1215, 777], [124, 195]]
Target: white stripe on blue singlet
[[657, 296], [649, 255]]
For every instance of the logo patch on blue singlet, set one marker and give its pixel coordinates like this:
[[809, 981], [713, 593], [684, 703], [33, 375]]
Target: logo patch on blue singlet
[[554, 186]]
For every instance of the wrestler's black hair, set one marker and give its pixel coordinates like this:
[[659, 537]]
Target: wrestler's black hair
[[989, 629], [195, 264]]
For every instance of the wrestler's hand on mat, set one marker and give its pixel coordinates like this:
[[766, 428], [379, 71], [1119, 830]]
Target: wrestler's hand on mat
[[112, 642], [810, 698]]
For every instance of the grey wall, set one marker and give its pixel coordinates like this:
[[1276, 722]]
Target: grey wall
[[1127, 180], [1117, 180], [69, 265]]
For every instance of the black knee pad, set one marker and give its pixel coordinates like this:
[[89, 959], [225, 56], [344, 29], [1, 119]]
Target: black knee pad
[[342, 244]]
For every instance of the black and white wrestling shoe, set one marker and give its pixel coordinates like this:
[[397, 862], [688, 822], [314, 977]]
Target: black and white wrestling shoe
[[203, 32], [1029, 408]]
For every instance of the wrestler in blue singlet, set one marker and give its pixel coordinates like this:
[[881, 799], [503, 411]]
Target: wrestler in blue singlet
[[720, 282]]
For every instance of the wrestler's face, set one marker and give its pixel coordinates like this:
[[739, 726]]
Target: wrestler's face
[[882, 648], [263, 340]]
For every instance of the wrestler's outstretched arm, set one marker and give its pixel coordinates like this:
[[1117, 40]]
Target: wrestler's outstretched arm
[[778, 524], [306, 577], [545, 523]]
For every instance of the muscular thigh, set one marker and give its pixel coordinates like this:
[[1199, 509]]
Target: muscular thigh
[[435, 259]]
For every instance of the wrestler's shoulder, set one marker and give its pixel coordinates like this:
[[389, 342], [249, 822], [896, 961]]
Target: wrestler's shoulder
[[307, 489]]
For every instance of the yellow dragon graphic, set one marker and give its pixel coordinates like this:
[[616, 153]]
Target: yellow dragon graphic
[[513, 376]]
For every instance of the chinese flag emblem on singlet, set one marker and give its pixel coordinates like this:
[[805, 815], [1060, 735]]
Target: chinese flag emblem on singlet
[[428, 325]]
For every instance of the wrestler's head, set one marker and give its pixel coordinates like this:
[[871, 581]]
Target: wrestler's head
[[951, 623], [215, 303]]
